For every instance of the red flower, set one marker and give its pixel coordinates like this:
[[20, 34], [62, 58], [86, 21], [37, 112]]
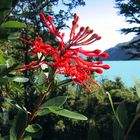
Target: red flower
[[65, 59]]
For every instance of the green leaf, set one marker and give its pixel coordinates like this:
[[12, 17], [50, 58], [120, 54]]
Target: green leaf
[[137, 85], [10, 62], [19, 123], [41, 79], [27, 138], [118, 132], [64, 82], [13, 24], [56, 101], [42, 112], [34, 128], [14, 36], [20, 79], [2, 59], [112, 106], [121, 112], [66, 113]]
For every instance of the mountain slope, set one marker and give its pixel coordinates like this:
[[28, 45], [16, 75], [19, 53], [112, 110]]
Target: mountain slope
[[125, 51]]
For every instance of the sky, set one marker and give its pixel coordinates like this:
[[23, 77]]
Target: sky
[[101, 16]]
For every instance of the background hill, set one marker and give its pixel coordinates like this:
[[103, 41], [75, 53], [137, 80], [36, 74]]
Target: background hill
[[125, 51]]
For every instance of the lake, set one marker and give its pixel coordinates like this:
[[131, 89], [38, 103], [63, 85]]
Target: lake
[[124, 69]]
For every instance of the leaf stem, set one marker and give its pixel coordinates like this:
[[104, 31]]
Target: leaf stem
[[33, 114]]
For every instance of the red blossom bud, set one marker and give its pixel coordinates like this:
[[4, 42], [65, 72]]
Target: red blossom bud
[[50, 19], [94, 35], [87, 28], [99, 71], [82, 29], [91, 31], [38, 39], [98, 38], [99, 62], [75, 15], [42, 16], [97, 51], [105, 66], [73, 22], [104, 55]]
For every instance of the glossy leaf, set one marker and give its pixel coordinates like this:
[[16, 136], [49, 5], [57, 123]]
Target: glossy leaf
[[13, 24], [66, 113], [10, 62], [64, 82], [34, 128], [27, 138], [121, 112], [41, 79], [112, 106], [19, 123], [14, 36], [56, 101], [2, 59], [42, 112], [20, 79]]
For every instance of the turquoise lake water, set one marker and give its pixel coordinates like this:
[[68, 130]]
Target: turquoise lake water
[[124, 69]]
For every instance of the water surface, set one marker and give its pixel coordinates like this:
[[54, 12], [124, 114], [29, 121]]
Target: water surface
[[124, 69]]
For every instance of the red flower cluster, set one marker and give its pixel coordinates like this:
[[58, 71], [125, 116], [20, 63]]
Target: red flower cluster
[[65, 58]]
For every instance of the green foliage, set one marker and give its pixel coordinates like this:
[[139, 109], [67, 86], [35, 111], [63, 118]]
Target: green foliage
[[19, 123], [118, 131], [34, 130], [56, 101], [13, 24], [137, 84], [130, 9], [66, 113], [93, 133], [27, 138]]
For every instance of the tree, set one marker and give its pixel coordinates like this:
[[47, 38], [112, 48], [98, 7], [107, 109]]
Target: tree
[[131, 10]]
